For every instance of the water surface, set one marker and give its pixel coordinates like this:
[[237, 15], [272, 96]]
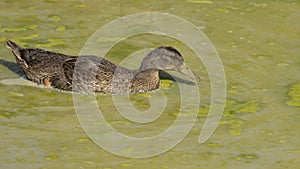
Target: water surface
[[258, 43]]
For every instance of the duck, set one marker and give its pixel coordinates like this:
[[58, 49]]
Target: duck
[[93, 74]]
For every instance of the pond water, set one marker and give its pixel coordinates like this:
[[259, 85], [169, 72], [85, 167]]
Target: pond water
[[258, 43]]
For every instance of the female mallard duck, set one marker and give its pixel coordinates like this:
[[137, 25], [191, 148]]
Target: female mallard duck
[[89, 74]]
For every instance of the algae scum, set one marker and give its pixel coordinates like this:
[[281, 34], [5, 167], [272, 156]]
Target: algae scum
[[294, 95], [258, 44], [233, 113]]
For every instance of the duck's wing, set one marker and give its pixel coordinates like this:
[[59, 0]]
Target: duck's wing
[[63, 79], [68, 69], [92, 74], [87, 66], [84, 74]]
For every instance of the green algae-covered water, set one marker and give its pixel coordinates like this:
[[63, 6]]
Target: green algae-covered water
[[258, 43]]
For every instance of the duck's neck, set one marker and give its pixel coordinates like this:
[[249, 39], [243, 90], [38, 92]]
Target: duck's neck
[[145, 80]]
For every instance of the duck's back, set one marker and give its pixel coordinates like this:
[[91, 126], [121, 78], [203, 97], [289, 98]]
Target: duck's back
[[48, 61]]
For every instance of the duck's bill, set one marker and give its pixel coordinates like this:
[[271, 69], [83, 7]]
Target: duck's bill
[[185, 70]]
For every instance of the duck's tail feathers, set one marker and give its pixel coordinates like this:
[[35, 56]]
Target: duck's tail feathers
[[12, 45], [20, 53], [15, 48]]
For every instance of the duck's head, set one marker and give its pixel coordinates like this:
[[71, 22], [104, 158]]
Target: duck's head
[[166, 58]]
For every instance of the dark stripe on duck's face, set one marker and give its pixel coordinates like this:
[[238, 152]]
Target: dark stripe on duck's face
[[170, 48], [173, 50]]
